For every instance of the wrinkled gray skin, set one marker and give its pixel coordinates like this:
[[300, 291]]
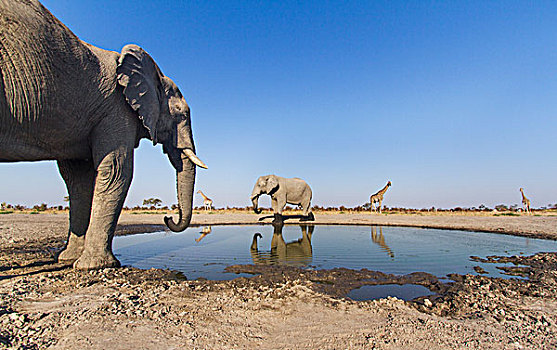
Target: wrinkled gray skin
[[87, 108], [297, 252], [282, 191]]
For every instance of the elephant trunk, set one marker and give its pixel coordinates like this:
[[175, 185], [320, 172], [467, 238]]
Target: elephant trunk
[[181, 152], [185, 180], [254, 200], [254, 241]]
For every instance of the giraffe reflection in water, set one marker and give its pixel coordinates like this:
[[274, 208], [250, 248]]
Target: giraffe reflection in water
[[379, 239], [298, 253], [204, 232]]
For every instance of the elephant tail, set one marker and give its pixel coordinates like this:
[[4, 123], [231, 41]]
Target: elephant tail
[[254, 241]]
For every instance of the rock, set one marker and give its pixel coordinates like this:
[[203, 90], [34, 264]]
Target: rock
[[428, 303]]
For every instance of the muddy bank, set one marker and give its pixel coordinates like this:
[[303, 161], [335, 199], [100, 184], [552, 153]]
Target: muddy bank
[[44, 304]]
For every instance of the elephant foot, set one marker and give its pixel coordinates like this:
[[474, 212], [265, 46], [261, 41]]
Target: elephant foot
[[73, 250], [70, 254], [278, 219], [90, 261], [309, 217]]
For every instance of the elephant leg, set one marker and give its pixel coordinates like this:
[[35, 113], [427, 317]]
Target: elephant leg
[[79, 176], [278, 206], [278, 245], [114, 175], [306, 209]]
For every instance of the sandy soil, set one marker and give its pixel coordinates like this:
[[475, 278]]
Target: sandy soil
[[44, 304]]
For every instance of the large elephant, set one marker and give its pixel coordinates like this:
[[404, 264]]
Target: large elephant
[[87, 108], [299, 252], [282, 191]]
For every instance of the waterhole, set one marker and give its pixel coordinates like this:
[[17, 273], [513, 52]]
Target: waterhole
[[206, 251]]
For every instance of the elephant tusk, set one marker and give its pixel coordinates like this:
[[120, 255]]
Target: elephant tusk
[[189, 153]]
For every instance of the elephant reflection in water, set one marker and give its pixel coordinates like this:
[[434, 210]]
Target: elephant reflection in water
[[298, 252], [204, 232], [380, 240]]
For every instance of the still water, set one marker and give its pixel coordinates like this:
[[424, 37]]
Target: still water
[[206, 251]]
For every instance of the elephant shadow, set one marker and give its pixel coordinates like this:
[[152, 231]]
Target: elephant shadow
[[279, 218], [379, 239], [297, 253], [34, 268]]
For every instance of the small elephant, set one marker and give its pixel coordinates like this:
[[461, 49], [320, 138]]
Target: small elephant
[[282, 191], [87, 108]]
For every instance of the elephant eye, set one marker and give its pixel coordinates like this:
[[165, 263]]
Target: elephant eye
[[175, 106]]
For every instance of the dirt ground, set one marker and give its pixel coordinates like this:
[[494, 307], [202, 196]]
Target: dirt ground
[[44, 304]]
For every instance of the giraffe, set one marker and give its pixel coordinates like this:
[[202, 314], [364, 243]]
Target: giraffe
[[207, 202], [525, 201], [378, 197]]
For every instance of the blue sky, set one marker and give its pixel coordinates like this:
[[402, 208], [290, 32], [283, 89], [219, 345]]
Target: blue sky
[[453, 101]]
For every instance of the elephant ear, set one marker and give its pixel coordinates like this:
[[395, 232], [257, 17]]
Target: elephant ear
[[272, 184], [141, 78]]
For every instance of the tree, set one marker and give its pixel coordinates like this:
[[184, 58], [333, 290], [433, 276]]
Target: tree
[[155, 202], [41, 207]]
